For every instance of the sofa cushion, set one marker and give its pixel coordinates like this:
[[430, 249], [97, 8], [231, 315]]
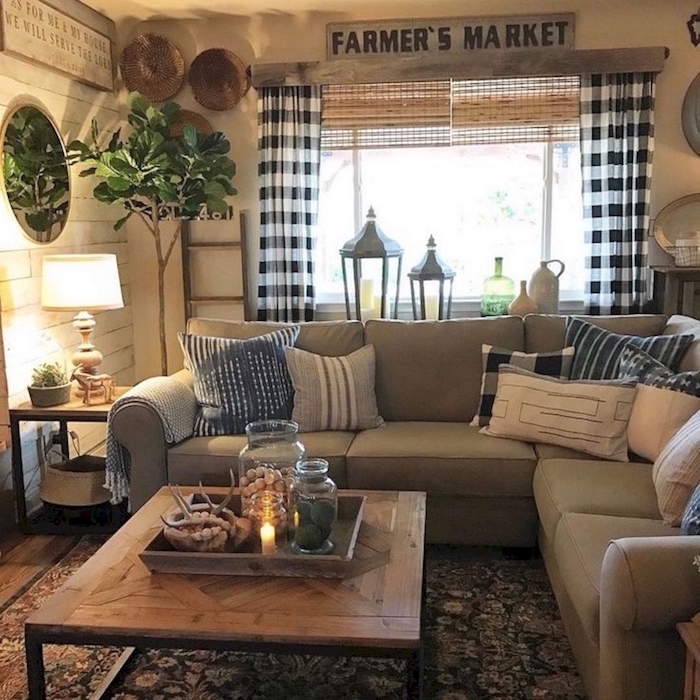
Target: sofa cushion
[[544, 451], [544, 333], [552, 364], [431, 370], [237, 382], [686, 325], [210, 458], [592, 486], [321, 337], [598, 351], [676, 471], [579, 547], [440, 458], [333, 393], [586, 415]]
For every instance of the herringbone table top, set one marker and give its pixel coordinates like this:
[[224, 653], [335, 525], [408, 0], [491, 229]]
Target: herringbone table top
[[376, 606]]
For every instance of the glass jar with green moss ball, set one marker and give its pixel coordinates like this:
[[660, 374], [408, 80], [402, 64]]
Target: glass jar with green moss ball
[[313, 499]]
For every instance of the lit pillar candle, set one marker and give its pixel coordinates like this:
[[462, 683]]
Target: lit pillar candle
[[366, 293], [267, 538], [431, 306]]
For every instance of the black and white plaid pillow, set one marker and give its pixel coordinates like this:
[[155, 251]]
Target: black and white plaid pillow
[[237, 382], [598, 351], [551, 364]]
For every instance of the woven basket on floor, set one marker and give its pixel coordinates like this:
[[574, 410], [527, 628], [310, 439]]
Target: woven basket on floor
[[75, 482]]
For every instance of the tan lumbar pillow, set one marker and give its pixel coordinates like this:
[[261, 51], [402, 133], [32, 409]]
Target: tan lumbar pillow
[[589, 416], [657, 415], [676, 471]]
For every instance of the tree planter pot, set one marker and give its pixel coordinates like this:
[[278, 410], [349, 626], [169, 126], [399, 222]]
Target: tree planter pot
[[44, 396]]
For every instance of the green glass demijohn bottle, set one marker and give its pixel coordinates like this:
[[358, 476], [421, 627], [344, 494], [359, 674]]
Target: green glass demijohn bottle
[[498, 292]]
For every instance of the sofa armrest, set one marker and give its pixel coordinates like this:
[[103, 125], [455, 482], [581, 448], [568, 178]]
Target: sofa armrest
[[139, 428], [647, 585], [651, 582]]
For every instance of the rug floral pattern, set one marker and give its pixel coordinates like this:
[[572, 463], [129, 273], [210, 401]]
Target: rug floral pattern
[[492, 630]]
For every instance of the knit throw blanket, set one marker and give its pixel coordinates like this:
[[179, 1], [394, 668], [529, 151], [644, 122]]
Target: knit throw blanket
[[176, 406]]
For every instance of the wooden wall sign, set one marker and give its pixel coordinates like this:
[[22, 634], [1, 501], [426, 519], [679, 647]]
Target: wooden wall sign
[[449, 35], [35, 30]]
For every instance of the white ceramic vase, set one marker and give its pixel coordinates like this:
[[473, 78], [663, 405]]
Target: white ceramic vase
[[544, 287]]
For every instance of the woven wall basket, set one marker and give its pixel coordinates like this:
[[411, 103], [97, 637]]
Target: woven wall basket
[[218, 79], [75, 482], [185, 116], [152, 65]]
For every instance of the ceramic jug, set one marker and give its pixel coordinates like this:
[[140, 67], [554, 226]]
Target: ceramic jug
[[544, 287], [522, 305]]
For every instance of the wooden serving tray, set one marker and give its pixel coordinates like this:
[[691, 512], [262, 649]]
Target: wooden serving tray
[[159, 555]]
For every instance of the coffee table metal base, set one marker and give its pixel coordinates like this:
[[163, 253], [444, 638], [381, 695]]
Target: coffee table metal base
[[35, 639]]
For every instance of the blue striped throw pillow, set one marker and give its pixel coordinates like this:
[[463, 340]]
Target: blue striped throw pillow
[[237, 382], [598, 351]]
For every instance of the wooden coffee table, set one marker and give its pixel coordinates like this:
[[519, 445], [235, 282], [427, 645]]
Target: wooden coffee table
[[114, 600]]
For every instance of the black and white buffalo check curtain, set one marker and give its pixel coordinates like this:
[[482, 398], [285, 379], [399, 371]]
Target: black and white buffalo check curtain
[[617, 138], [289, 141]]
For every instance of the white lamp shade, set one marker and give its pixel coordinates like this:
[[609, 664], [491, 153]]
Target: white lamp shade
[[80, 283]]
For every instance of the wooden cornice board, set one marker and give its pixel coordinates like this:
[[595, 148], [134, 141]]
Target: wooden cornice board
[[432, 67]]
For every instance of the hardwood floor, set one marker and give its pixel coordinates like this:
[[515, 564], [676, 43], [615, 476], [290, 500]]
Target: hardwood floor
[[23, 556]]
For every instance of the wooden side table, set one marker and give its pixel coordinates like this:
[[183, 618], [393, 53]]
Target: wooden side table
[[679, 289], [103, 518], [690, 634]]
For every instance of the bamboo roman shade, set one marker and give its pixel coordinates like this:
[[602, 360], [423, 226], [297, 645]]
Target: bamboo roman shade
[[450, 112]]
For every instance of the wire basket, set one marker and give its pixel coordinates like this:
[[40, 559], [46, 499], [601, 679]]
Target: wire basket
[[686, 255]]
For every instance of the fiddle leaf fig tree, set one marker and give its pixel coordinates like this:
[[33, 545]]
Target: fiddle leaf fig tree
[[153, 172]]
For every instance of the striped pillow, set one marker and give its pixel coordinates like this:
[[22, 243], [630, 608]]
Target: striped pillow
[[237, 382], [598, 350], [334, 393], [676, 471]]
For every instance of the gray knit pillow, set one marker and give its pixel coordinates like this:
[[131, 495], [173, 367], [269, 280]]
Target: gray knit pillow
[[334, 393]]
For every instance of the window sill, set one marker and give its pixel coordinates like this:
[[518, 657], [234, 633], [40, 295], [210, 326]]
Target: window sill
[[333, 310]]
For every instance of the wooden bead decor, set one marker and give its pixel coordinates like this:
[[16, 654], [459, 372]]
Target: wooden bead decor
[[152, 65]]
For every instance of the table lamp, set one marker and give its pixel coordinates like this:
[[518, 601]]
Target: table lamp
[[86, 284]]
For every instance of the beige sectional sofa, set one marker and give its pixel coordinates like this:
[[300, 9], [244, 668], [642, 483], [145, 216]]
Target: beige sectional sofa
[[622, 577]]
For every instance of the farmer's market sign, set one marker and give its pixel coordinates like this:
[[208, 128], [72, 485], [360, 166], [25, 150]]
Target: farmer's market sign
[[449, 35], [37, 31]]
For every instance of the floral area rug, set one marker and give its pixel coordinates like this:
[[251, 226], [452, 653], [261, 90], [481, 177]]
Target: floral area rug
[[491, 629]]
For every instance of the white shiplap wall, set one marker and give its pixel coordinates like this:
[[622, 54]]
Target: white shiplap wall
[[31, 335]]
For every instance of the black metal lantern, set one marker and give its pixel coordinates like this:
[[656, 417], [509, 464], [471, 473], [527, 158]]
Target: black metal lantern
[[370, 242], [432, 269]]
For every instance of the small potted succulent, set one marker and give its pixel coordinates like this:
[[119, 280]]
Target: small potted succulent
[[50, 385]]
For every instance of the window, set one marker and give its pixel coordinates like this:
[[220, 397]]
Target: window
[[488, 167]]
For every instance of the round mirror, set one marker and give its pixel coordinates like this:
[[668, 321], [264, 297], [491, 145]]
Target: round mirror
[[35, 173]]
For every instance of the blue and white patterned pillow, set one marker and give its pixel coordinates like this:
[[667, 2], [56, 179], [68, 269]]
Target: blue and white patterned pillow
[[237, 382], [690, 525], [637, 363], [598, 350]]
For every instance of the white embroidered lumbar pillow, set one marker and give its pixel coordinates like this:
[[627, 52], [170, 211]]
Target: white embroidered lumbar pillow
[[589, 416]]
